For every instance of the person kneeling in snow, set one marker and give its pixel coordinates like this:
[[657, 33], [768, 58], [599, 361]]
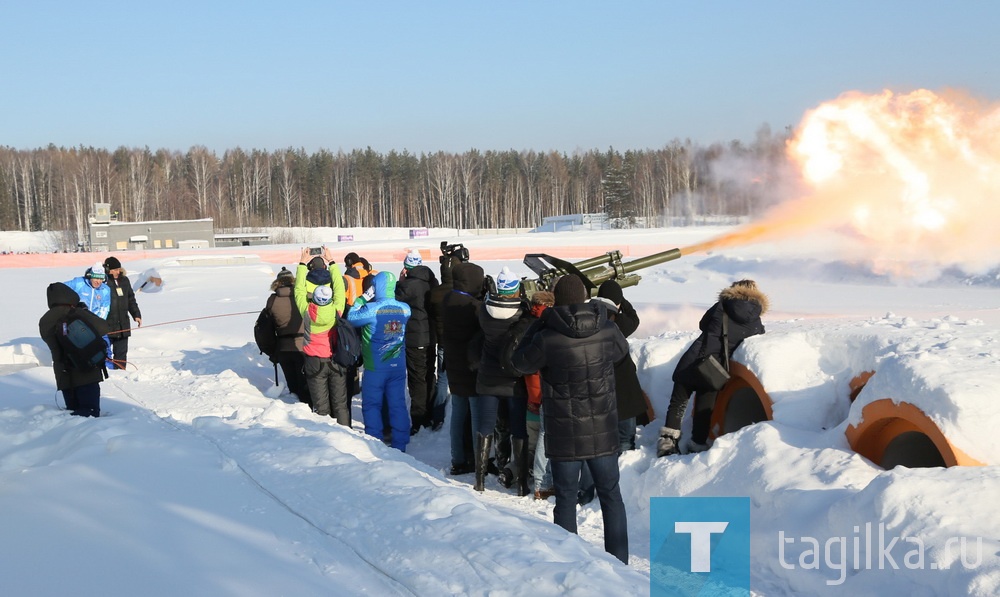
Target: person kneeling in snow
[[743, 304]]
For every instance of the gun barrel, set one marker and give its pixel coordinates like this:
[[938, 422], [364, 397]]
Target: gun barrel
[[651, 260]]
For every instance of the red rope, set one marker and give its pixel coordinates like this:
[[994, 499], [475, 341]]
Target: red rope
[[182, 321]]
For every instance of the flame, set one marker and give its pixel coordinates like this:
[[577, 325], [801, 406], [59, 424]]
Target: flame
[[915, 177]]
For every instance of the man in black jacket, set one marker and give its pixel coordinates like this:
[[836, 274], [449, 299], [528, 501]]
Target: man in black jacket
[[81, 388], [575, 347], [123, 304], [459, 327], [416, 281]]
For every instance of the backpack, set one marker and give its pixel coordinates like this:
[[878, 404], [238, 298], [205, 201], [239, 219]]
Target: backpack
[[264, 333], [83, 348], [347, 350]]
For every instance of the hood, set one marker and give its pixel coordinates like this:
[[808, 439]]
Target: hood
[[447, 276], [580, 320], [278, 283], [60, 294], [422, 272], [743, 304], [468, 277], [385, 285]]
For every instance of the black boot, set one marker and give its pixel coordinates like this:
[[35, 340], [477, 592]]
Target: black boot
[[519, 455], [483, 445]]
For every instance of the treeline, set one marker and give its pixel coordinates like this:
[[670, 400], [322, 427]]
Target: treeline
[[55, 188]]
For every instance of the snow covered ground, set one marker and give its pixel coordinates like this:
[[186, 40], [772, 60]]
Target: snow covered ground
[[207, 478]]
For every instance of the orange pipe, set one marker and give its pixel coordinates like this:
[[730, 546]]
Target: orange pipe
[[883, 421], [742, 382]]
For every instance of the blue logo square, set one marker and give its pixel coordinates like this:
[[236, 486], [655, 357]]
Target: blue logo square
[[699, 546]]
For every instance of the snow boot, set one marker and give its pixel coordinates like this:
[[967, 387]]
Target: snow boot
[[484, 443], [519, 454], [667, 444]]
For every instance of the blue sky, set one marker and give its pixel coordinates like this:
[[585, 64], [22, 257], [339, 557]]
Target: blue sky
[[426, 76]]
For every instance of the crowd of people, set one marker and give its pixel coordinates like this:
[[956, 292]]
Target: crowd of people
[[542, 390]]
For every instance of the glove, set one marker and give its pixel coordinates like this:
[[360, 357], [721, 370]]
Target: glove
[[666, 445], [369, 295]]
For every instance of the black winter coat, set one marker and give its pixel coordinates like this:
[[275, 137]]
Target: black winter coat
[[437, 296], [496, 318], [460, 324], [414, 289], [123, 304], [575, 349], [744, 307], [61, 299], [631, 402]]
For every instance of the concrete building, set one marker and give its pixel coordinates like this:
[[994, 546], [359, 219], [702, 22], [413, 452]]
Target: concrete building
[[108, 234]]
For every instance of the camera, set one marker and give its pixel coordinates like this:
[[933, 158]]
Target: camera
[[456, 250], [315, 250]]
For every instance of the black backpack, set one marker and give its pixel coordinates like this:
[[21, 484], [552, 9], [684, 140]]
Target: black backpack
[[264, 333], [83, 348], [347, 350]]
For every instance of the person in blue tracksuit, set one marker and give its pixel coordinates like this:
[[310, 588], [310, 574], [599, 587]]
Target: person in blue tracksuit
[[383, 322], [96, 297]]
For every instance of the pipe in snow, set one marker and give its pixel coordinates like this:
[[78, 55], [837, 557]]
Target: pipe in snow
[[894, 434], [741, 402]]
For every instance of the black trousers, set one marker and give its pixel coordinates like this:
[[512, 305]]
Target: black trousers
[[420, 381], [326, 387], [704, 402], [119, 347], [292, 366]]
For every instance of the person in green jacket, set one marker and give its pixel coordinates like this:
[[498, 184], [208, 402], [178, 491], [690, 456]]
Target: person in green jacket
[[317, 299]]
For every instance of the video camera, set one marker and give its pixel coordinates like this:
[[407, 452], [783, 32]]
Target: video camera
[[457, 250]]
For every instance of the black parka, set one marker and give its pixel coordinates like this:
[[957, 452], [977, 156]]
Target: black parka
[[497, 317], [460, 324], [744, 307], [123, 304], [414, 289], [631, 402], [575, 349], [61, 299]]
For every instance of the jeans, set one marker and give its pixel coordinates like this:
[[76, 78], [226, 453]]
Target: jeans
[[484, 414], [542, 472], [460, 428], [441, 394], [626, 435], [566, 475]]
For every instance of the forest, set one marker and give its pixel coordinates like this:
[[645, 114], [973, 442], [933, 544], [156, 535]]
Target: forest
[[55, 188]]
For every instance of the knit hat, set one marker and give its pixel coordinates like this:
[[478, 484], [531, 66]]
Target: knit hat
[[612, 291], [95, 271], [285, 276], [112, 263], [413, 259], [507, 283], [569, 290], [322, 295]]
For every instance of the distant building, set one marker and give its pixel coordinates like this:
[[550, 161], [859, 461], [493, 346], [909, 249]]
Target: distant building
[[109, 234], [574, 222], [242, 239]]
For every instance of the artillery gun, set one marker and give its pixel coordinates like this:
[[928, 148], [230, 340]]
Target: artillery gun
[[593, 271]]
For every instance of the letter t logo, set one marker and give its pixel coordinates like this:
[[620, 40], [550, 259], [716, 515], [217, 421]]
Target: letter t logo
[[701, 542]]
